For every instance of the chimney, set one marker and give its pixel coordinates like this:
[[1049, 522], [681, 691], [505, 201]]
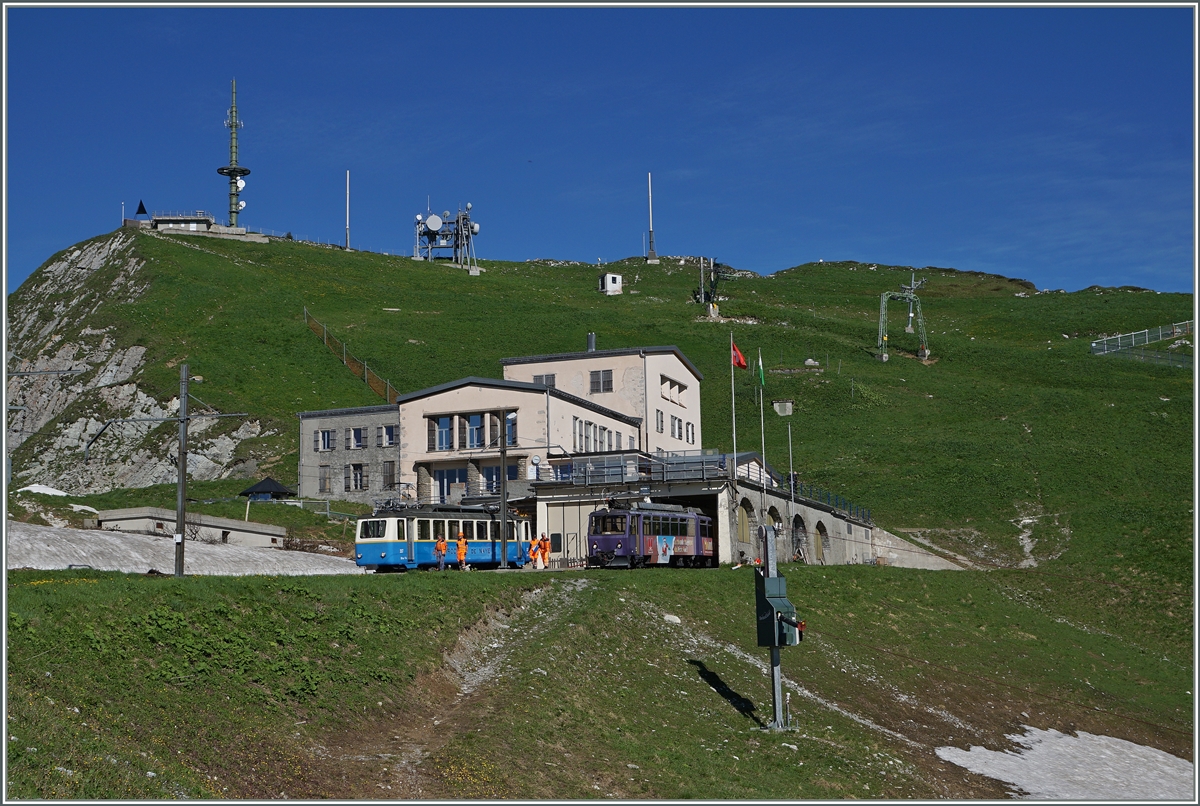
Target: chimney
[[591, 343]]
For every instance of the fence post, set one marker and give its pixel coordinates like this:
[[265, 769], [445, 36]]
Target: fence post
[[325, 334]]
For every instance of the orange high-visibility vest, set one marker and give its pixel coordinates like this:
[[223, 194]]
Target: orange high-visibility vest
[[440, 546], [462, 548], [545, 546]]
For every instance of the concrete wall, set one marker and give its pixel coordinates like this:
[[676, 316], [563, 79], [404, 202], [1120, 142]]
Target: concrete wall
[[206, 528]]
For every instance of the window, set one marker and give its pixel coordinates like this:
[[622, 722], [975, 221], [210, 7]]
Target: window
[[324, 440], [619, 442], [445, 433], [601, 380], [610, 441], [475, 431], [671, 390], [676, 427], [587, 436], [323, 480], [601, 437], [359, 438], [389, 475], [355, 477], [510, 427], [658, 420], [445, 480], [385, 435], [576, 434], [491, 476], [631, 445], [546, 379], [691, 434]]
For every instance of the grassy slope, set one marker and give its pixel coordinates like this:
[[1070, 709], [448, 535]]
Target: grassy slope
[[1016, 421]]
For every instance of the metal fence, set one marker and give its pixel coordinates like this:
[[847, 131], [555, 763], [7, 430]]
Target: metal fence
[[1124, 341], [1154, 357], [830, 499], [379, 385]]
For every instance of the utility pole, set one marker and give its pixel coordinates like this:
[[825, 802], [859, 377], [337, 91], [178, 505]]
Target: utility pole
[[181, 485]]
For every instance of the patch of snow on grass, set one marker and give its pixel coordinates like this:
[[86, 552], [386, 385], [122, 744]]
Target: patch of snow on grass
[[1058, 766], [41, 489]]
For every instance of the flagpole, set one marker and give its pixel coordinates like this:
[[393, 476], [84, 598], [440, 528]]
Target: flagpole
[[733, 405], [762, 383]]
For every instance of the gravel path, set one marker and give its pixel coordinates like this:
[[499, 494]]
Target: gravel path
[[53, 548]]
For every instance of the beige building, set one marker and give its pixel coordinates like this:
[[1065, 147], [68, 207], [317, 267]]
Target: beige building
[[451, 436], [657, 385]]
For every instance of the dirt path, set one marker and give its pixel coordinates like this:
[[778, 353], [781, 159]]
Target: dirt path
[[387, 759]]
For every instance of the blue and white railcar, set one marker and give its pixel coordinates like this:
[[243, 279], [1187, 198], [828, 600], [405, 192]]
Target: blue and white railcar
[[397, 539]]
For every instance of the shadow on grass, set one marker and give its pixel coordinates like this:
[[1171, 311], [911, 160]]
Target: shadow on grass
[[740, 704]]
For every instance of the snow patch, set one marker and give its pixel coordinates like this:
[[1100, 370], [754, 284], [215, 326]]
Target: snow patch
[[1058, 766], [42, 489]]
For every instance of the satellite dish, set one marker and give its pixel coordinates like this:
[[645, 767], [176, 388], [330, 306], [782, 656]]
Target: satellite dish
[[241, 184], [433, 223], [241, 205], [468, 205], [418, 216], [474, 228], [445, 215]]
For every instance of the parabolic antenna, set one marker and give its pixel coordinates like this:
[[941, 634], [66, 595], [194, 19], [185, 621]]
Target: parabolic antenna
[[474, 228], [445, 215], [241, 205], [241, 183], [433, 222], [418, 216], [468, 205]]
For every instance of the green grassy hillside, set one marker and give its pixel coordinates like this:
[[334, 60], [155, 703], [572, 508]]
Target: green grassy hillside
[[1013, 432]]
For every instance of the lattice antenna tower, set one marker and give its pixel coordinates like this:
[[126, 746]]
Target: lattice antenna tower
[[234, 171]]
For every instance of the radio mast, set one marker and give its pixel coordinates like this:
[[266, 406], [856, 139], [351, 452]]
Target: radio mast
[[234, 171], [650, 256]]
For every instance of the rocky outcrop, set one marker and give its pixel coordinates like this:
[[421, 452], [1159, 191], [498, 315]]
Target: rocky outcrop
[[52, 326]]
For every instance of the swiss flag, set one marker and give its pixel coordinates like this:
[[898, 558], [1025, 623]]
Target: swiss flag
[[739, 360]]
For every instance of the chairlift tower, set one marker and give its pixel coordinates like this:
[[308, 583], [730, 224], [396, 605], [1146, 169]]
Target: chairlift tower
[[907, 293], [234, 171]]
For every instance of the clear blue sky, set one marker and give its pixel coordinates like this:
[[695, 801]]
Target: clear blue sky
[[1054, 145]]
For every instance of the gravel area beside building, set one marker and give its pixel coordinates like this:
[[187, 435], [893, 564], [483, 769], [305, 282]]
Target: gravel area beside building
[[53, 548]]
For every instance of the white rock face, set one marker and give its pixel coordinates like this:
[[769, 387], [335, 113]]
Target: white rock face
[[51, 328]]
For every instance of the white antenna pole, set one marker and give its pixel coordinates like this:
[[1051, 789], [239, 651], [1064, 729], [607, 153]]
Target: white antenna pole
[[347, 209], [651, 257], [122, 214]]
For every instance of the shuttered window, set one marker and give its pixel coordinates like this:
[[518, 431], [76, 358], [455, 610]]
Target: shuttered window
[[432, 435], [316, 440], [346, 471]]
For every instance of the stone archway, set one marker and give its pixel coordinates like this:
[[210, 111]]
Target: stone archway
[[799, 540], [821, 543], [747, 527]]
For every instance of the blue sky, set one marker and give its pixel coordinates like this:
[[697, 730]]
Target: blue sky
[[1054, 145]]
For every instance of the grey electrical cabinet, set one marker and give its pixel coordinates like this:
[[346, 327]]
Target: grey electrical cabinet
[[772, 604]]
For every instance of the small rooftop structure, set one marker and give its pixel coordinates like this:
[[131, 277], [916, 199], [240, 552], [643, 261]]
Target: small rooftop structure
[[267, 489]]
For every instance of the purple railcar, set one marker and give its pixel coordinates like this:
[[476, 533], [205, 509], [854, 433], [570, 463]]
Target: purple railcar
[[651, 534]]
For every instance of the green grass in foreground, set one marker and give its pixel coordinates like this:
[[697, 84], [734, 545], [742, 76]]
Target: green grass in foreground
[[235, 671]]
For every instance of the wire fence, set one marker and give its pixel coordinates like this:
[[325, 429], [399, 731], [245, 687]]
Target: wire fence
[[1154, 357], [378, 384], [1124, 341]]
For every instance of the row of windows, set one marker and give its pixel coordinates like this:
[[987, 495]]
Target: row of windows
[[651, 525], [679, 429], [433, 529], [470, 431], [587, 436], [546, 379], [355, 477], [355, 438]]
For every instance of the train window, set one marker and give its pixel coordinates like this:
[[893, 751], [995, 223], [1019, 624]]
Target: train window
[[423, 530], [372, 530], [703, 527], [608, 525], [439, 530], [690, 527], [400, 530], [452, 534], [481, 530]]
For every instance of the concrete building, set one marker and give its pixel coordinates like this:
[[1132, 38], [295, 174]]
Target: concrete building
[[610, 284], [658, 385], [205, 528], [350, 454]]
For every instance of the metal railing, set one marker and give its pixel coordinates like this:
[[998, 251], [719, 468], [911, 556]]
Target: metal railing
[[1124, 341], [830, 499], [1154, 356]]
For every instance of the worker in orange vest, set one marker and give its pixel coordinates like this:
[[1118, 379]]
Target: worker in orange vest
[[439, 551], [545, 547], [533, 551], [462, 552]]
